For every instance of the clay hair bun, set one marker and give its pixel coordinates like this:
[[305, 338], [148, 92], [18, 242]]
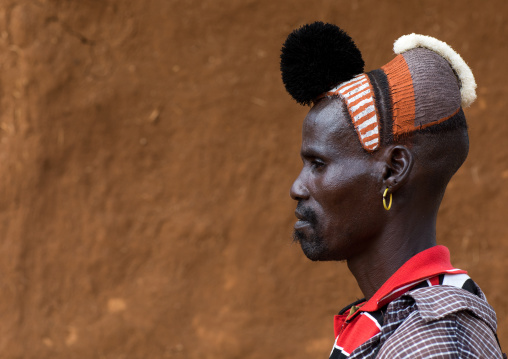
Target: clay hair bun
[[317, 57]]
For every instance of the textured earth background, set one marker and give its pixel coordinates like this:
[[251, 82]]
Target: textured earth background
[[146, 152]]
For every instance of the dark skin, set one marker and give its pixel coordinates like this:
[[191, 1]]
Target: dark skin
[[339, 193]]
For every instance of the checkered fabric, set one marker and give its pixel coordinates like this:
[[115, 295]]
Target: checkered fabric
[[426, 309], [435, 322]]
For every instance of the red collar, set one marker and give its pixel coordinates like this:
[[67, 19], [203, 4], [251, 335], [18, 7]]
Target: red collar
[[424, 265]]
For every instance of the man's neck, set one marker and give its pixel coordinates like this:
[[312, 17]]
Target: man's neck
[[397, 244]]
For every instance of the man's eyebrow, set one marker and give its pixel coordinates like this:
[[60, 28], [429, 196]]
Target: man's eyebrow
[[311, 152]]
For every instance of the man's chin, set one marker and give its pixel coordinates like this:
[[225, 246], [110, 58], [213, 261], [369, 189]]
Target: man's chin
[[313, 247]]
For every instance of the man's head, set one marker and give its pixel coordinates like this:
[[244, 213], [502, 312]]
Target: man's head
[[400, 127]]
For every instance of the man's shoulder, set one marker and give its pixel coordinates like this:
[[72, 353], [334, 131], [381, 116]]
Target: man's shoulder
[[440, 319], [437, 302]]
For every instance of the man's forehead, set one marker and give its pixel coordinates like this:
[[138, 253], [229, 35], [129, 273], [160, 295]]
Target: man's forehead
[[327, 128], [326, 119]]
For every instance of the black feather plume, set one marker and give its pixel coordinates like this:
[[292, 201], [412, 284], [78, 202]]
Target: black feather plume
[[317, 57]]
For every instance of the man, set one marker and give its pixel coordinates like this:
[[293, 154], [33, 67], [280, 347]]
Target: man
[[378, 151]]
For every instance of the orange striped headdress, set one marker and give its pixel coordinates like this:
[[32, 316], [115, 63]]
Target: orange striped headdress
[[426, 84]]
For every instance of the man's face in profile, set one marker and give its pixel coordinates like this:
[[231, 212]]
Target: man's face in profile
[[338, 195]]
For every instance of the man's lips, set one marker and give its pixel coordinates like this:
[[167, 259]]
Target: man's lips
[[301, 224], [302, 221], [300, 216]]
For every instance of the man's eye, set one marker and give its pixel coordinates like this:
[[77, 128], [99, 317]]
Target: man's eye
[[317, 164]]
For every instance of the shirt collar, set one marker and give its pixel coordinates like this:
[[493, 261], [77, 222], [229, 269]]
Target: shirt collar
[[424, 265]]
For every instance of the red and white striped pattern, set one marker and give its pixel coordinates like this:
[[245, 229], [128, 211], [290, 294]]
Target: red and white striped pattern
[[359, 97]]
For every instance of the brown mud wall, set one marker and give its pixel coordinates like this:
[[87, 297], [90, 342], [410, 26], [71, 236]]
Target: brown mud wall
[[146, 154]]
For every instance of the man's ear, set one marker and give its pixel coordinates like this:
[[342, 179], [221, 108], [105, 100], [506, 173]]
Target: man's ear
[[398, 163]]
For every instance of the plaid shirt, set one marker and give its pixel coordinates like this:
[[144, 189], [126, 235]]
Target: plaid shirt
[[435, 322], [427, 309]]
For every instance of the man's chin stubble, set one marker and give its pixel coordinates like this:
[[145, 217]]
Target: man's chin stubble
[[313, 248], [298, 236]]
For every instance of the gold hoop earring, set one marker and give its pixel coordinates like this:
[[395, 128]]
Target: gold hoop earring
[[384, 200]]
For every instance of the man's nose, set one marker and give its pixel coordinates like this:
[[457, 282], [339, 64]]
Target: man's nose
[[298, 189]]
